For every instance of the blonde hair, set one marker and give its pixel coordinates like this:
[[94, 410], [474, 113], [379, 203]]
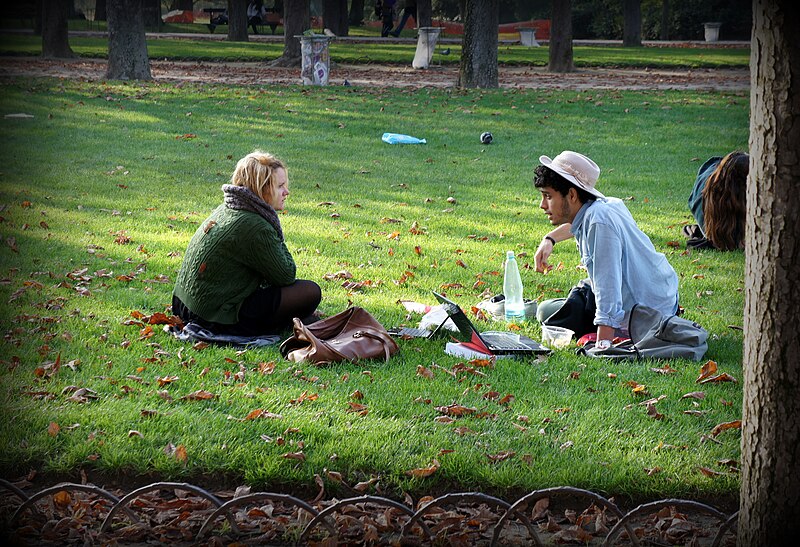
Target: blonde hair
[[724, 201], [256, 171]]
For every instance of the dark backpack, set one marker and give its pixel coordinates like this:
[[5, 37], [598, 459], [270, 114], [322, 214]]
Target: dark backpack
[[577, 313]]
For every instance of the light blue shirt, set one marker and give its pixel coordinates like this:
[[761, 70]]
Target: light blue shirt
[[624, 267]]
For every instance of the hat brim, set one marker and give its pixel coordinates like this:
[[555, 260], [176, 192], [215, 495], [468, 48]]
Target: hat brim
[[547, 162]]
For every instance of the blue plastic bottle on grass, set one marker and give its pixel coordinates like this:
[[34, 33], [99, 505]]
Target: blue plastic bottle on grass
[[397, 138], [512, 289]]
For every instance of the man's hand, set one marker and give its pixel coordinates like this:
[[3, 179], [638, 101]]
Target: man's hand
[[543, 252]]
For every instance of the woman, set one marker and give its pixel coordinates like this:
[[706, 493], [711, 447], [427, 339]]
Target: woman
[[718, 202], [237, 276]]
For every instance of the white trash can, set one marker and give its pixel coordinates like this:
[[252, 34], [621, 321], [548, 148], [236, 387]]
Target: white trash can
[[527, 36], [712, 31], [426, 43], [316, 60]]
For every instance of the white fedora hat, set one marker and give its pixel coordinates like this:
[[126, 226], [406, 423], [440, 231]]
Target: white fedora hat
[[576, 168]]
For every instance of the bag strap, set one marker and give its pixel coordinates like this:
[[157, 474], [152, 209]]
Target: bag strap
[[378, 337]]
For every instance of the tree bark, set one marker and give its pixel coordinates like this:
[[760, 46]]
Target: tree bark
[[479, 47], [769, 512], [632, 23], [334, 17], [424, 13], [356, 18], [237, 21], [664, 35], [100, 11], [55, 32], [296, 20], [151, 14], [127, 47], [561, 37]]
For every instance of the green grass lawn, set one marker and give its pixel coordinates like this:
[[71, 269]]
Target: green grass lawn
[[103, 186], [387, 52]]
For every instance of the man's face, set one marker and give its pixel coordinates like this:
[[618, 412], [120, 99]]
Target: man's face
[[556, 206]]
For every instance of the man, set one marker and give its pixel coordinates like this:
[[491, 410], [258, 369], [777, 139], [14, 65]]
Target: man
[[623, 265]]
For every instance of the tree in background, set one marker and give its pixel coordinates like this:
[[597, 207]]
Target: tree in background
[[769, 510], [561, 37], [479, 46], [55, 31], [296, 20], [127, 47], [632, 25], [424, 13], [356, 17], [335, 18], [237, 21]]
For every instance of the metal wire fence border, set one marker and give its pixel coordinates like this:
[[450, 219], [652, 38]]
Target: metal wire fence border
[[413, 531]]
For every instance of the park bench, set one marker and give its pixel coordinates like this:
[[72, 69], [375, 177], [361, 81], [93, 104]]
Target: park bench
[[273, 20]]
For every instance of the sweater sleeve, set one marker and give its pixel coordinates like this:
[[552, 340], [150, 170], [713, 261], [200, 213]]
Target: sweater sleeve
[[271, 258]]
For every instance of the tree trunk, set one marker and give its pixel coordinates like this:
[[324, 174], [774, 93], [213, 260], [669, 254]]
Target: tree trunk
[[127, 47], [424, 13], [561, 37], [100, 11], [296, 20], [334, 16], [632, 25], [356, 18], [237, 21], [479, 47], [151, 13], [55, 32], [182, 5], [664, 35], [769, 512]]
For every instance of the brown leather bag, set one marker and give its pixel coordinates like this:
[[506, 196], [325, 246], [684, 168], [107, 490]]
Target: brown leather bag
[[351, 335]]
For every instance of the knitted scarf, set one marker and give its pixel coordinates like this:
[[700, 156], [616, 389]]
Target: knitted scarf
[[243, 199]]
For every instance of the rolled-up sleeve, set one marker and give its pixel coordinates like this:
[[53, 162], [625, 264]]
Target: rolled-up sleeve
[[604, 264]]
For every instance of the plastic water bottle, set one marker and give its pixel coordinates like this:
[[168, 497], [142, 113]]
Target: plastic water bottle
[[512, 289]]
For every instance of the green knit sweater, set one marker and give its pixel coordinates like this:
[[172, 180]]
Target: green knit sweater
[[231, 254]]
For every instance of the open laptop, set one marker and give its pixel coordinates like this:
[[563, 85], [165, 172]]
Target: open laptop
[[492, 342]]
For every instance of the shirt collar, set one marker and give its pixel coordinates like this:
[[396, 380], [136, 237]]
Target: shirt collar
[[578, 220]]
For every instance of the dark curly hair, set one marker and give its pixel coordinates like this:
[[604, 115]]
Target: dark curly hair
[[724, 201], [544, 177]]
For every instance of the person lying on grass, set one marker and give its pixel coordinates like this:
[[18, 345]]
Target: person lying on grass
[[623, 265], [237, 276], [718, 203]]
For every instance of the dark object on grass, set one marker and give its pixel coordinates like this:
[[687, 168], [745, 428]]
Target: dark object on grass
[[486, 138]]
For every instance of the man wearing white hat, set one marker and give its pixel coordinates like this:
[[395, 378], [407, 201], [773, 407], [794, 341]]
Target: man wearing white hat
[[623, 265]]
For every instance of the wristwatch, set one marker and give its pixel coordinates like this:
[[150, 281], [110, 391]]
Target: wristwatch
[[603, 344]]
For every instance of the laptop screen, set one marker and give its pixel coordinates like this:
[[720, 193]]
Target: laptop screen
[[494, 342], [466, 330]]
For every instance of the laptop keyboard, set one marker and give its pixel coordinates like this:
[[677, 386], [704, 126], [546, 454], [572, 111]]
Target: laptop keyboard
[[499, 341]]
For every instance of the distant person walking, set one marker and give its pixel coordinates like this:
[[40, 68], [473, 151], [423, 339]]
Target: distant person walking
[[256, 13], [385, 10], [409, 10]]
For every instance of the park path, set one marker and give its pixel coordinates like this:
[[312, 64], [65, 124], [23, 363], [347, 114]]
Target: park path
[[375, 75]]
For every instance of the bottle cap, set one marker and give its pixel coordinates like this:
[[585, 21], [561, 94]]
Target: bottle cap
[[509, 254]]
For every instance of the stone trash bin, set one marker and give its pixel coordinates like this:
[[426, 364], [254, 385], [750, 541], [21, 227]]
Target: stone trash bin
[[426, 43], [712, 31], [527, 36], [316, 60]]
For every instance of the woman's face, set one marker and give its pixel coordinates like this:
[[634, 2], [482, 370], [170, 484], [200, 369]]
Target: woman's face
[[280, 190]]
